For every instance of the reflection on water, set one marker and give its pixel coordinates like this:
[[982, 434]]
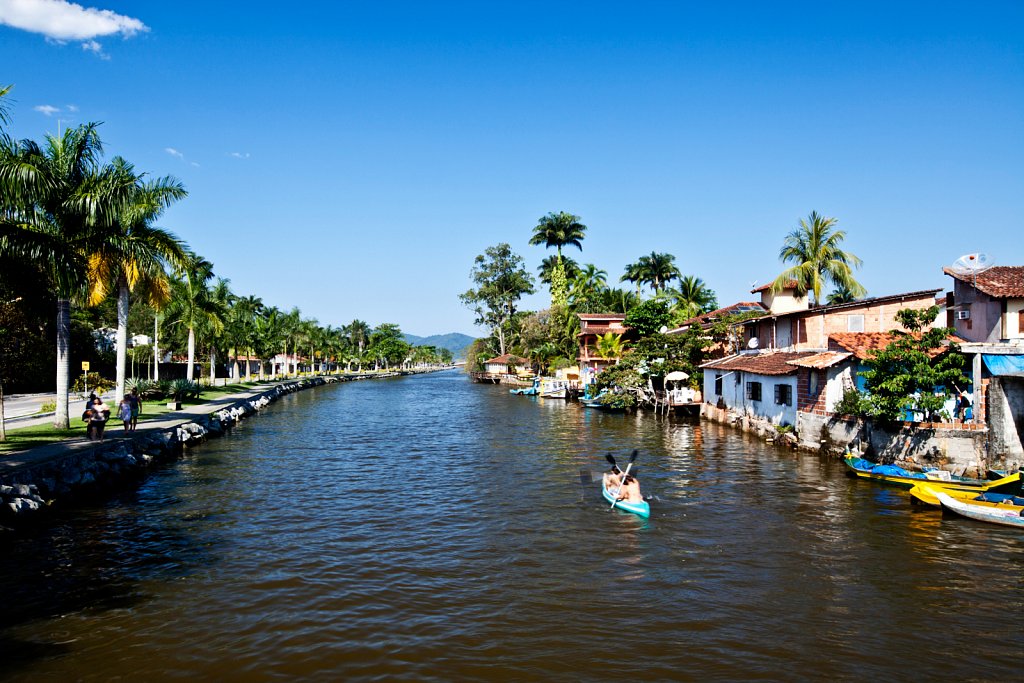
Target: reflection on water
[[428, 528]]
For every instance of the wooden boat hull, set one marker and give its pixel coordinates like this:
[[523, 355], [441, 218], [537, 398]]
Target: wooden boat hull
[[1007, 516], [925, 493], [1009, 484], [643, 509]]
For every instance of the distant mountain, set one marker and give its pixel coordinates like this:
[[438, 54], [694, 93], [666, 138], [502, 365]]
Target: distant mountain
[[453, 341]]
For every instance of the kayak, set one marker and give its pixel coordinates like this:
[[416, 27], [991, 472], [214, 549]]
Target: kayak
[[643, 509], [1007, 516]]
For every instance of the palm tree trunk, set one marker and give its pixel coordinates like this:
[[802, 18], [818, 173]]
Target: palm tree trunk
[[156, 349], [121, 338], [60, 417], [3, 428], [189, 373], [248, 365], [213, 365]]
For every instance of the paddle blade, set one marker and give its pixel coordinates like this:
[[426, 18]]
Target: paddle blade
[[632, 456], [609, 458]]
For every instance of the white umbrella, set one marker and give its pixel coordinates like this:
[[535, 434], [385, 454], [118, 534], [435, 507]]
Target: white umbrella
[[676, 376]]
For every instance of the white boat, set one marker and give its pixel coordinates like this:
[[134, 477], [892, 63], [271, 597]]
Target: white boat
[[551, 387], [1007, 516]]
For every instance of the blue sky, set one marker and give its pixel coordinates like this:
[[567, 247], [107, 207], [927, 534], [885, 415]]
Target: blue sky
[[352, 159]]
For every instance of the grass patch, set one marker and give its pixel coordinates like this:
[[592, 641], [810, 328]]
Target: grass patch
[[24, 438]]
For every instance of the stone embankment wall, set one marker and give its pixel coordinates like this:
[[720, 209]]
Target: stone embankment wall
[[912, 447], [30, 490]]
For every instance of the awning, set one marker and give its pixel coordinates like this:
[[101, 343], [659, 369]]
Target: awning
[[1004, 366]]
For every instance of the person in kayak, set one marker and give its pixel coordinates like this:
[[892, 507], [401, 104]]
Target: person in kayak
[[630, 491], [613, 478]]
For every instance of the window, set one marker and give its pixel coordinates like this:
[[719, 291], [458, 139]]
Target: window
[[855, 323], [812, 383], [783, 395], [754, 391], [718, 384]]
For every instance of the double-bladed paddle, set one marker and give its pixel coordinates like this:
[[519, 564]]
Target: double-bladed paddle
[[622, 479]]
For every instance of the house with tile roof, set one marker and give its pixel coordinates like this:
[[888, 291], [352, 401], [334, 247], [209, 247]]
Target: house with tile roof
[[988, 306], [987, 309], [592, 326]]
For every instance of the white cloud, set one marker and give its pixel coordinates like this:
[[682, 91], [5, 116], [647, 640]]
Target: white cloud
[[239, 155], [95, 48], [192, 163], [62, 20], [174, 153], [72, 107], [46, 109]]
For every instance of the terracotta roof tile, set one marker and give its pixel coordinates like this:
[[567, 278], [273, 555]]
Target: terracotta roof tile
[[792, 284], [601, 329], [734, 309], [764, 363], [506, 359], [860, 344], [1001, 282], [601, 316], [825, 359]]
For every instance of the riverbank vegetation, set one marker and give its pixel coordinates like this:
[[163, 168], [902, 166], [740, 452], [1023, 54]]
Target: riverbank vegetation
[[659, 297], [79, 236]]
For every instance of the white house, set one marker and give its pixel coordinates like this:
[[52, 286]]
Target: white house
[[755, 384]]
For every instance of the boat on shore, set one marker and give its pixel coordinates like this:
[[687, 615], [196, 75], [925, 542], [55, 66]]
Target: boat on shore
[[642, 509], [1005, 515], [897, 476], [527, 391], [925, 493]]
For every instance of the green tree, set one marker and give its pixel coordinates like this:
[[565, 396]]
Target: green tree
[[192, 305], [609, 345], [501, 280], [133, 252], [56, 204], [915, 371], [648, 317], [657, 270], [841, 295], [691, 298], [558, 230], [569, 266], [814, 249]]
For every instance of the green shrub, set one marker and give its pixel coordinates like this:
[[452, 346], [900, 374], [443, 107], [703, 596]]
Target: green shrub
[[853, 404], [180, 389], [94, 381], [147, 388], [48, 407]]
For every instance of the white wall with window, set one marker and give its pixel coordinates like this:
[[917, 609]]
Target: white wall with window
[[772, 397]]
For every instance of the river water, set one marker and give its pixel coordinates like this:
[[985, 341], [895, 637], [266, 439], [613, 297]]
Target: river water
[[426, 528]]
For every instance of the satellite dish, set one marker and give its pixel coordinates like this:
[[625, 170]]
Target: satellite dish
[[972, 264], [752, 344]]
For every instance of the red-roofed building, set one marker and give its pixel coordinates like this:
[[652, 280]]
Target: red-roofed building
[[592, 326], [988, 306]]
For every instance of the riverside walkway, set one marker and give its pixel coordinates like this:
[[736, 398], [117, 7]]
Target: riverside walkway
[[13, 461]]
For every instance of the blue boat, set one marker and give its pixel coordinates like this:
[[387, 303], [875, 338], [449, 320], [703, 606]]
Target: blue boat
[[527, 391], [643, 509]]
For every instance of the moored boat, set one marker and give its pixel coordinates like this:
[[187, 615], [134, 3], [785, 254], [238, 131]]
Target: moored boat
[[553, 388], [1005, 515], [925, 493], [897, 476], [643, 509]]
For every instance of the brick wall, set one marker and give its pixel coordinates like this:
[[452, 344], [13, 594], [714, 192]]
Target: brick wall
[[807, 401]]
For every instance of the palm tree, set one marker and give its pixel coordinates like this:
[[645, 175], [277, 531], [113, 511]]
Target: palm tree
[[609, 345], [359, 335], [656, 270], [618, 300], [633, 274], [814, 248], [243, 325], [558, 230], [192, 305], [691, 298], [569, 266], [57, 203], [213, 329], [133, 251], [841, 295]]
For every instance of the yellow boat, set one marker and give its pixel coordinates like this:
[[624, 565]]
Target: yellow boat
[[897, 476], [925, 493]]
